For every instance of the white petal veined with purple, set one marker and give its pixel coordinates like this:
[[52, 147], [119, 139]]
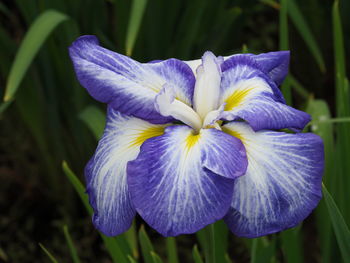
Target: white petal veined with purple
[[282, 184], [249, 94], [181, 182], [106, 171], [125, 84]]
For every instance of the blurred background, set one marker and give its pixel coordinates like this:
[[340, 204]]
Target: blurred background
[[46, 118]]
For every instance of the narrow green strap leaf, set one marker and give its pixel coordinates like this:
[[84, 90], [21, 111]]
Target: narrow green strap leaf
[[51, 257], [33, 40], [113, 245], [156, 258], [131, 259], [298, 88], [95, 119], [341, 230], [78, 186], [137, 10], [284, 45], [304, 30], [338, 41], [146, 245], [172, 250], [253, 251], [196, 255], [291, 245], [72, 249]]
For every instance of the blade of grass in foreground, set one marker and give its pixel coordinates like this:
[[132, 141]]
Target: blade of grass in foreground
[[51, 257], [341, 230], [172, 250], [146, 246], [343, 110], [33, 40], [283, 32], [72, 249], [196, 255], [116, 249], [137, 10]]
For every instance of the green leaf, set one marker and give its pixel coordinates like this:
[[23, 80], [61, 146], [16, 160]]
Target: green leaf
[[131, 259], [146, 245], [137, 11], [284, 45], [33, 40], [172, 250], [341, 230], [72, 249], [291, 243], [304, 30], [51, 257], [78, 186], [196, 255], [156, 258], [95, 119], [115, 246], [253, 250]]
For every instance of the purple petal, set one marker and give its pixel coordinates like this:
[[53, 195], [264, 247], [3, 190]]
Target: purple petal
[[282, 184], [106, 171], [251, 95], [127, 85], [180, 182], [276, 64]]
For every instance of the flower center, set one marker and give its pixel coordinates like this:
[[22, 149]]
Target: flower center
[[206, 109]]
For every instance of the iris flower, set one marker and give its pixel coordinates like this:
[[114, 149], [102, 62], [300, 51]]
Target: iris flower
[[188, 143]]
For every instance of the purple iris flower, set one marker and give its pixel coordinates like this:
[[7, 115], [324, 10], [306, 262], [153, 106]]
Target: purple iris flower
[[188, 143]]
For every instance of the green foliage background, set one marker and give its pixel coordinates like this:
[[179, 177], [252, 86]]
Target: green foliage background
[[47, 117]]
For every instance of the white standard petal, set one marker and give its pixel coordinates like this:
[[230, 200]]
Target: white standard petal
[[207, 87]]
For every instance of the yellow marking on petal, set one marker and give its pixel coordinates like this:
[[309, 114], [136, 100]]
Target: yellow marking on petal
[[191, 141], [236, 98], [232, 133], [143, 135]]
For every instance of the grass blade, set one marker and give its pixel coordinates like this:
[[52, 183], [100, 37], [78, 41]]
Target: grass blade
[[341, 230], [33, 40], [146, 245], [196, 255], [253, 250], [156, 258], [72, 249], [51, 257], [172, 250], [286, 87], [95, 119], [304, 30], [137, 10]]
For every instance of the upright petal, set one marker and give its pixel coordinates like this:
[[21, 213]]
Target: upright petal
[[181, 182], [282, 184], [250, 94], [106, 171], [207, 87], [127, 85]]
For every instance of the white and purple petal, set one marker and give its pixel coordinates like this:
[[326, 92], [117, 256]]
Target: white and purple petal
[[127, 85], [250, 94], [106, 171], [181, 182], [282, 184]]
